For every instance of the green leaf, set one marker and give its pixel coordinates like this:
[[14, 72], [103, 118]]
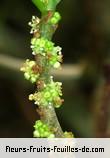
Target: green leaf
[[46, 5]]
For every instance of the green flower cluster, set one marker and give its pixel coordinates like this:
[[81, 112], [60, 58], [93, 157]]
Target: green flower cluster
[[55, 18], [41, 46], [42, 130], [50, 95], [29, 74], [46, 48], [34, 24], [55, 57]]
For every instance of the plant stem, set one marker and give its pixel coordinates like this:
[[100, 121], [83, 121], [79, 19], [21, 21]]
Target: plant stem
[[47, 113], [103, 114]]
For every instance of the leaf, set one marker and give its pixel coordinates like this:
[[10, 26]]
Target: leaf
[[46, 5]]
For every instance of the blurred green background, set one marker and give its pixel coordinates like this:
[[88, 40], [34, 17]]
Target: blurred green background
[[84, 35]]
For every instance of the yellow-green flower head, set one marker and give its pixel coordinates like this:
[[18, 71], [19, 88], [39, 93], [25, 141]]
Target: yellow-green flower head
[[49, 95], [29, 74], [42, 130]]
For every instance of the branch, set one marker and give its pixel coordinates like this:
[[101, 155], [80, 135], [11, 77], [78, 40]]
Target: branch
[[104, 101], [68, 71], [48, 93]]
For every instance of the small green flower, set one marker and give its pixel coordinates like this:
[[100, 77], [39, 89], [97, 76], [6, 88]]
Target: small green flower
[[68, 135], [55, 57], [47, 95], [57, 65], [36, 134], [49, 46], [42, 130], [54, 60], [51, 136], [38, 124], [29, 74]]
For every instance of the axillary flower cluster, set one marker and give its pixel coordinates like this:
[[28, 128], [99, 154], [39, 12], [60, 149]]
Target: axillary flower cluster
[[47, 56]]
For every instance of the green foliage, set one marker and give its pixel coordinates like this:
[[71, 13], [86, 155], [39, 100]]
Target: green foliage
[[46, 5]]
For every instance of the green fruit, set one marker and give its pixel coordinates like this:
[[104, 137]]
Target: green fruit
[[57, 16], [53, 21]]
